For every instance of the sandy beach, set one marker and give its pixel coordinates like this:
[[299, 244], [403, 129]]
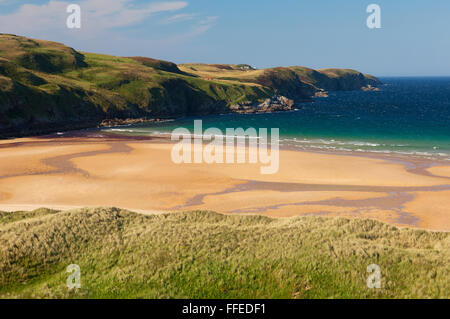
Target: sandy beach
[[138, 174]]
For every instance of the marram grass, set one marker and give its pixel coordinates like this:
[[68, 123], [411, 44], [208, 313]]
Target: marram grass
[[202, 254]]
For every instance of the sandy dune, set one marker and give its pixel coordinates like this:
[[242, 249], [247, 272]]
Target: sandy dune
[[138, 174]]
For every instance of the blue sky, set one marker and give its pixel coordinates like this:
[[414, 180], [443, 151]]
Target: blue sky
[[414, 38]]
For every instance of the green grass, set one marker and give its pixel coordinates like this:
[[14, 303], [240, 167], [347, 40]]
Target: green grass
[[207, 255], [46, 84], [55, 84], [10, 217]]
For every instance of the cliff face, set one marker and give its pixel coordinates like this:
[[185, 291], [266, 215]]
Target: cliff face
[[46, 86], [345, 80], [335, 79], [287, 83]]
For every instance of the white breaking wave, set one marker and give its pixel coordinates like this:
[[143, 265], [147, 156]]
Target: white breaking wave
[[319, 144]]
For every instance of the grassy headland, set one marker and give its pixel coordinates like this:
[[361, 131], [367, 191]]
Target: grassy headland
[[207, 255], [47, 86]]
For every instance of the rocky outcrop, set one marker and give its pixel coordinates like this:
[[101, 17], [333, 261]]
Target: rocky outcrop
[[274, 104], [369, 87], [128, 121], [321, 93]]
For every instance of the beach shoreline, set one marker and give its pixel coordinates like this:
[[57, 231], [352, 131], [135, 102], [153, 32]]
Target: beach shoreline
[[96, 168]]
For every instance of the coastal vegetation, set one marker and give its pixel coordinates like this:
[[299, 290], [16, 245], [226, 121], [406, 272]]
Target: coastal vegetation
[[201, 254], [46, 86]]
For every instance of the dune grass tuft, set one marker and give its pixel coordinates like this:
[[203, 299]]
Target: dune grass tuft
[[202, 254]]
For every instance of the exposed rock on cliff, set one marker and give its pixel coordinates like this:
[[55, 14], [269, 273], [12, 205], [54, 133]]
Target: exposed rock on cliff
[[46, 86], [275, 103]]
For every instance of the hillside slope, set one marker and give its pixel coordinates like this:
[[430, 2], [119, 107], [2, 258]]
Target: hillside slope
[[208, 255], [47, 86]]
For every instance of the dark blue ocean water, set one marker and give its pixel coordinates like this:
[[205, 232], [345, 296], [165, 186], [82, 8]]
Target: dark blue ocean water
[[408, 116]]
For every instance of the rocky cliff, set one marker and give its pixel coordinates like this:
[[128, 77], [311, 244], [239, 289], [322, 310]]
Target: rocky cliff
[[47, 86]]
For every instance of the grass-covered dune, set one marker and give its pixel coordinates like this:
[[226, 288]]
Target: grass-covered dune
[[208, 255], [47, 86]]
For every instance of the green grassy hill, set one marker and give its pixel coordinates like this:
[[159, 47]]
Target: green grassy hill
[[47, 86], [208, 255], [286, 80]]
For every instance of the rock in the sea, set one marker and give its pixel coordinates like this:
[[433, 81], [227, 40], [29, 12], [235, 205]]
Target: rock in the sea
[[370, 88], [321, 93]]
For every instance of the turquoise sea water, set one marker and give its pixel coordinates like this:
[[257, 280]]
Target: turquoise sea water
[[407, 116]]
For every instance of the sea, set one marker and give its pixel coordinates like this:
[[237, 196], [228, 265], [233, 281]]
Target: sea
[[407, 116]]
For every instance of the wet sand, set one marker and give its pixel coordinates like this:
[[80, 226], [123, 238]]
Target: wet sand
[[137, 173]]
